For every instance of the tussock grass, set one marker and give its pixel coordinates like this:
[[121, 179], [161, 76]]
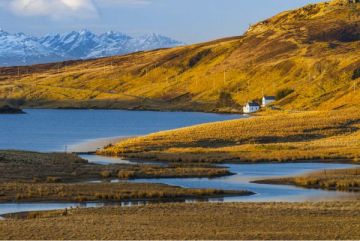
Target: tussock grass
[[59, 167], [25, 192], [341, 180], [199, 221], [293, 136]]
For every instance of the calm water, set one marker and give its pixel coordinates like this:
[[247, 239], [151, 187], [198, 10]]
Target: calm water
[[245, 173], [52, 130]]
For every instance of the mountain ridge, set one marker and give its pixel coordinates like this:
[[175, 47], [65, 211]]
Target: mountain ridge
[[82, 44]]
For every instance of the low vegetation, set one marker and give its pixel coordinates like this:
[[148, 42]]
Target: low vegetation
[[31, 176], [341, 180], [273, 136], [196, 221], [107, 192], [60, 167]]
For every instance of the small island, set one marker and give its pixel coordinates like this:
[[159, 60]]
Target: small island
[[7, 109]]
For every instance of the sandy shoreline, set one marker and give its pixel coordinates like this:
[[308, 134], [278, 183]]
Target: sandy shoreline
[[91, 146]]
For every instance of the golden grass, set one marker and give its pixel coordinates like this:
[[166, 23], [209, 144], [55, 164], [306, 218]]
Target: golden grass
[[332, 135], [341, 180], [223, 221], [114, 192], [59, 167], [312, 50]]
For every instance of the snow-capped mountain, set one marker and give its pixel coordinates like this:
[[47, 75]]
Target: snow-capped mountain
[[20, 49]]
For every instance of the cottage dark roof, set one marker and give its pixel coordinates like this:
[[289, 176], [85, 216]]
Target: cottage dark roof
[[254, 104], [270, 97]]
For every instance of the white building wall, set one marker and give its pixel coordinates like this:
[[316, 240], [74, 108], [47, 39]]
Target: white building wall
[[266, 102], [250, 109]]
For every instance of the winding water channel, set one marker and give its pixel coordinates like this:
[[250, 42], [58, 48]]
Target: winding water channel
[[246, 173], [82, 130]]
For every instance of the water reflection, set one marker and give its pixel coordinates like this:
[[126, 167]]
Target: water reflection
[[7, 208]]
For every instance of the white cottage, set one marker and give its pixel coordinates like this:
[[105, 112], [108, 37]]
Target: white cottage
[[251, 107], [266, 100]]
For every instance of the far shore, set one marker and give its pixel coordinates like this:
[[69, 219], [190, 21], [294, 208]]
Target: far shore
[[220, 112]]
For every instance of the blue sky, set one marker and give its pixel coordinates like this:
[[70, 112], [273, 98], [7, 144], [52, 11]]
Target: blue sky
[[185, 20]]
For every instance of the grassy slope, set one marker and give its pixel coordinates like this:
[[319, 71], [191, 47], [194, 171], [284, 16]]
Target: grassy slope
[[200, 221], [312, 50], [272, 137]]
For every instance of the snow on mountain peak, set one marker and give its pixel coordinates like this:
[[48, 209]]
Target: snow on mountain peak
[[3, 33], [21, 49]]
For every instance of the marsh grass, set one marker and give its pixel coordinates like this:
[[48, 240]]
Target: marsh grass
[[24, 192], [196, 221], [341, 180], [58, 167], [273, 136]]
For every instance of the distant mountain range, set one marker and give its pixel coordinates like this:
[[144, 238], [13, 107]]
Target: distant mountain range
[[21, 49]]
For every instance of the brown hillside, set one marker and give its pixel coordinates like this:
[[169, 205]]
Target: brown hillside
[[312, 51]]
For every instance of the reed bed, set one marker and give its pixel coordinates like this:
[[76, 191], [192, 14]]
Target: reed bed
[[25, 192], [341, 180]]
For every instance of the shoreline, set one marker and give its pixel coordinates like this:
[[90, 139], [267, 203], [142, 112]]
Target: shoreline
[[142, 110], [120, 203], [281, 182], [238, 193], [270, 161]]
